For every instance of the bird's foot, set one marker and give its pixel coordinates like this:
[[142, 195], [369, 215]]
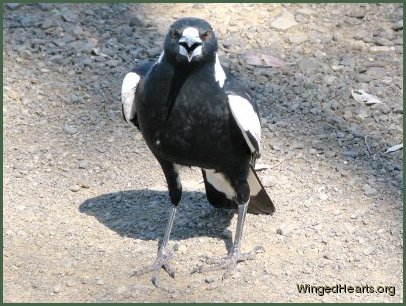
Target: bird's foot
[[228, 263], [161, 262]]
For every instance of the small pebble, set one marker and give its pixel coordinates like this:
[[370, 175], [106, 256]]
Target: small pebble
[[323, 197], [56, 59], [70, 129], [99, 281], [75, 188], [82, 164], [13, 6]]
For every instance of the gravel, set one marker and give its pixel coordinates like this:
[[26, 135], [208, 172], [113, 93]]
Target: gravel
[[85, 202]]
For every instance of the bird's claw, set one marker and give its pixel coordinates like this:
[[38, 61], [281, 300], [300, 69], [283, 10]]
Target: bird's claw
[[161, 262], [228, 263]]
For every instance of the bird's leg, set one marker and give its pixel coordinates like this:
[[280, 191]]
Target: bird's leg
[[165, 254], [235, 256]]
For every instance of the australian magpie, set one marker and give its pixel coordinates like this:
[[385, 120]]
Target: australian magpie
[[192, 113]]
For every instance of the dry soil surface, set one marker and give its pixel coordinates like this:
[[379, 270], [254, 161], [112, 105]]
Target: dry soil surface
[[85, 202]]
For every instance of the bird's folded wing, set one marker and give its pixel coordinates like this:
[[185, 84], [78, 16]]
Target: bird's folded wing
[[247, 120], [128, 90]]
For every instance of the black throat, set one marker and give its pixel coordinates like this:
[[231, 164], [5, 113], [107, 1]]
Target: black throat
[[179, 77]]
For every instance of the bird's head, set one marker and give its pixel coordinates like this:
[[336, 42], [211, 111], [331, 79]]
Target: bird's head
[[190, 40]]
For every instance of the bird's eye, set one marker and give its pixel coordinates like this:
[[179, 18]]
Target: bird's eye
[[206, 35], [176, 34]]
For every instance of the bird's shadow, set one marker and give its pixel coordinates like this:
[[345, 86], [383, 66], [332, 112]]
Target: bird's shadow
[[143, 214]]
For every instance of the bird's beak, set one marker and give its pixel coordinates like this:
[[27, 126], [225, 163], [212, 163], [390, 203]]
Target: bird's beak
[[190, 44]]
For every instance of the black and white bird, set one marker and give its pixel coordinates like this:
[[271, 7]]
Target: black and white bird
[[192, 113]]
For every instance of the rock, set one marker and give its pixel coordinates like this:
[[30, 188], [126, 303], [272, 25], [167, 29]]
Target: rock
[[69, 17], [397, 109], [153, 52], [323, 196], [13, 6], [25, 53], [397, 26], [82, 164], [337, 67], [377, 49], [297, 38], [75, 188], [44, 6], [284, 229], [352, 154], [319, 54], [330, 154], [382, 41], [56, 289], [368, 190], [376, 71], [337, 36], [99, 281], [299, 17], [284, 21], [77, 99], [386, 80], [70, 129], [347, 60], [330, 79], [357, 13], [135, 22], [56, 59], [358, 45], [84, 185], [209, 279], [48, 23]]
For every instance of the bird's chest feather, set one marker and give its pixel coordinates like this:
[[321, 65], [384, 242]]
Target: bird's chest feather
[[190, 120]]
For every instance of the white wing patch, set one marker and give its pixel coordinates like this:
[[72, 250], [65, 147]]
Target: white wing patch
[[219, 73], [128, 89], [246, 118], [220, 183]]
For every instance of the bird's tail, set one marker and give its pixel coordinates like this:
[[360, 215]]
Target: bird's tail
[[260, 202]]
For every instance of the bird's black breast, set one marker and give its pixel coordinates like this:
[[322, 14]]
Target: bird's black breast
[[185, 117]]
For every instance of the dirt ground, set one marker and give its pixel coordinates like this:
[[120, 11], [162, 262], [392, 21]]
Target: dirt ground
[[85, 202]]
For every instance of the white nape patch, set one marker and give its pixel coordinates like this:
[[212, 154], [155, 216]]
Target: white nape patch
[[128, 89], [246, 118], [219, 73], [220, 183], [160, 57]]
